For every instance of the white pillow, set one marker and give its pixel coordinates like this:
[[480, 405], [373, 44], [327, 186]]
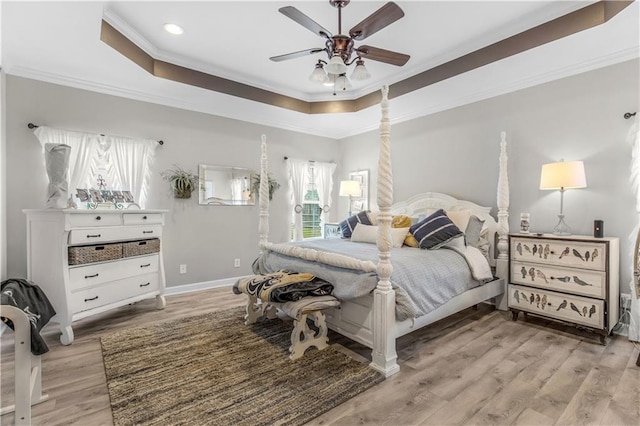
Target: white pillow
[[460, 218], [369, 234]]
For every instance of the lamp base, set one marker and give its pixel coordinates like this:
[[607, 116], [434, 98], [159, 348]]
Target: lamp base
[[562, 228]]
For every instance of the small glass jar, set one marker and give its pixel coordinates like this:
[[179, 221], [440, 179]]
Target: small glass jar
[[524, 223]]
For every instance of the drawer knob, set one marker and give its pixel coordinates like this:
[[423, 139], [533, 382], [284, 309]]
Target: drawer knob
[[147, 232], [145, 265], [98, 218], [144, 285], [89, 300], [91, 276], [144, 217], [93, 236]]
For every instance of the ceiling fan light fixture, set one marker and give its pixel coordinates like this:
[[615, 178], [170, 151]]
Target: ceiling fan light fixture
[[336, 65], [174, 29], [318, 75], [360, 72], [342, 83]]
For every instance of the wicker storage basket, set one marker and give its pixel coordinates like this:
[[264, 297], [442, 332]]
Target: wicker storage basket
[[79, 255], [138, 248]]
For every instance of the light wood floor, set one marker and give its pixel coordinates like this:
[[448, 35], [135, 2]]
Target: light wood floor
[[476, 367]]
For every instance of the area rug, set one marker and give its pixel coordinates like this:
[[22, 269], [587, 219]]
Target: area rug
[[213, 370]]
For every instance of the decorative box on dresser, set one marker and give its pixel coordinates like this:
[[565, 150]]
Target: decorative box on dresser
[[91, 261], [573, 279]]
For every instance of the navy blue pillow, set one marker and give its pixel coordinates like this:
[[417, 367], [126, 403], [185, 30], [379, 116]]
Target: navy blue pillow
[[435, 231], [349, 224]]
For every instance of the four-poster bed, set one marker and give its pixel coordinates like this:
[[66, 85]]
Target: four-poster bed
[[371, 319]]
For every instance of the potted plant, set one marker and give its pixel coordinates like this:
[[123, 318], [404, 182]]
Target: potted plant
[[182, 182], [273, 185]]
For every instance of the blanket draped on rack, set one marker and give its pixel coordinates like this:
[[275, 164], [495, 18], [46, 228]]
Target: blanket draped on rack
[[282, 286], [32, 300]]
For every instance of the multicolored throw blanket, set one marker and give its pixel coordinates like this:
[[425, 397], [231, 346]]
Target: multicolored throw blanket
[[282, 286]]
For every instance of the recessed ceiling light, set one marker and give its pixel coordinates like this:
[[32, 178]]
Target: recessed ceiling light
[[173, 28]]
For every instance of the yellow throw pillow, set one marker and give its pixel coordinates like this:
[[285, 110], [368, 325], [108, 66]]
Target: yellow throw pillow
[[404, 221], [401, 221]]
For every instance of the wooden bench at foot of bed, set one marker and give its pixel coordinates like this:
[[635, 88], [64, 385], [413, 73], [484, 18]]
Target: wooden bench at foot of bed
[[308, 308]]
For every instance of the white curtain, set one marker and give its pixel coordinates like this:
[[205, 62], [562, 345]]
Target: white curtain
[[324, 185], [132, 160], [236, 189], [127, 161], [84, 150], [634, 140], [297, 170]]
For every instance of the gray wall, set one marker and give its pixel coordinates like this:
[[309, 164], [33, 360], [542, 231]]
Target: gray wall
[[206, 238], [576, 118]]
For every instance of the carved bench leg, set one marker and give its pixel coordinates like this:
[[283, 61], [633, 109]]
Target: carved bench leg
[[303, 337], [257, 310], [254, 311]]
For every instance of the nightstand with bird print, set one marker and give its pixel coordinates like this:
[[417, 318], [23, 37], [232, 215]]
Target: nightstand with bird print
[[573, 279]]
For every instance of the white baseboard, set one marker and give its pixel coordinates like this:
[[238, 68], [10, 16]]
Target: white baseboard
[[206, 285]]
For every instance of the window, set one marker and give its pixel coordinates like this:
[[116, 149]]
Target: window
[[311, 183]]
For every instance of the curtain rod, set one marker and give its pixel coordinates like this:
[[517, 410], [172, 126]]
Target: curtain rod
[[311, 161], [35, 126]]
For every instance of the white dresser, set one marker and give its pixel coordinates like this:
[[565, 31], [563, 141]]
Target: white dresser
[[90, 261], [573, 279]]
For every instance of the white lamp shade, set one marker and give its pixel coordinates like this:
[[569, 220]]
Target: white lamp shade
[[360, 72], [563, 174], [318, 75], [336, 65], [350, 188], [342, 83]]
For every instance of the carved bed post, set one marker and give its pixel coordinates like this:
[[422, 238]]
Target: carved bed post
[[502, 262], [384, 316], [263, 227]]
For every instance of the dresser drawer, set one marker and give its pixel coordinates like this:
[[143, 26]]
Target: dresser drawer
[[575, 254], [93, 219], [82, 277], [576, 309], [142, 218], [116, 233], [113, 292], [579, 281]]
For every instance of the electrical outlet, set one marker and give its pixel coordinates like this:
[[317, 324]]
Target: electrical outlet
[[236, 263], [183, 269], [625, 301]]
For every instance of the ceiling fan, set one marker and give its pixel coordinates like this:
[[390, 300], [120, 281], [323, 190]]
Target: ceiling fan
[[340, 48]]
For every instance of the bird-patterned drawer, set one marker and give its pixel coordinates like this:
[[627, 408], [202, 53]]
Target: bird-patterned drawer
[[576, 309], [580, 254], [568, 280]]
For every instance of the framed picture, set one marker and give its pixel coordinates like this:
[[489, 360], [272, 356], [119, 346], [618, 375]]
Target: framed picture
[[96, 197], [128, 197], [117, 196], [83, 194], [106, 195], [362, 202]]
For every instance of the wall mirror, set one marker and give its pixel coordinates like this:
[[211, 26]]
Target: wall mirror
[[225, 186], [362, 202]]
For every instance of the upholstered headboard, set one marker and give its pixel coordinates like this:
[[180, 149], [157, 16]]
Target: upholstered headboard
[[428, 202]]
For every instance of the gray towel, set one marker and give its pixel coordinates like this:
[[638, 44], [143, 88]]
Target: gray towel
[[32, 300]]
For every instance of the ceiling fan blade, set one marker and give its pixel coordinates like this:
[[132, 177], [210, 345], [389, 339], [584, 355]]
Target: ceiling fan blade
[[294, 55], [387, 14], [305, 21], [382, 55]]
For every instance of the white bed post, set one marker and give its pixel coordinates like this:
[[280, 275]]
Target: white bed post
[[384, 316], [263, 227], [502, 262]]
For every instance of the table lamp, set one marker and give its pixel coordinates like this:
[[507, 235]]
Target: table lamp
[[350, 188], [562, 175]]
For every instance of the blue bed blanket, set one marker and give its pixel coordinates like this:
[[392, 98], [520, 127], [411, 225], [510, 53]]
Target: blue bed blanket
[[423, 279]]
